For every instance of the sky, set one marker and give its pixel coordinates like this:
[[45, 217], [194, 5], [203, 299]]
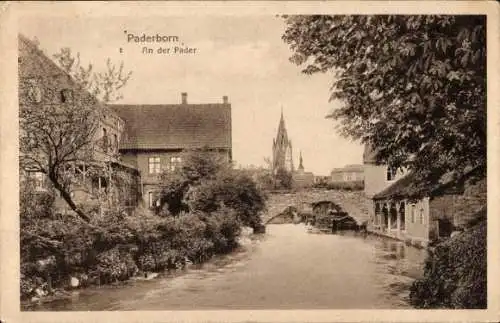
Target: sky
[[242, 57]]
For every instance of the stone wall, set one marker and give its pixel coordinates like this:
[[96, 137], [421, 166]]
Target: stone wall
[[302, 179], [459, 208]]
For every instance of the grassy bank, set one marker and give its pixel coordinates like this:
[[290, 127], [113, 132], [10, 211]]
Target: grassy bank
[[455, 273]]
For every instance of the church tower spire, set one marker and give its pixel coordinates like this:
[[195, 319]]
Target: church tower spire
[[281, 126], [282, 148]]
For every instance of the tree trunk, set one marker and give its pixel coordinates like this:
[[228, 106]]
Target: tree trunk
[[67, 197]]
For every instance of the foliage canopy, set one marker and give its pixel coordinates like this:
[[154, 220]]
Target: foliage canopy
[[205, 183], [412, 87]]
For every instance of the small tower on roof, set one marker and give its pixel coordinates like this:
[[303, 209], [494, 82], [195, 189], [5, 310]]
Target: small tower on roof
[[301, 166]]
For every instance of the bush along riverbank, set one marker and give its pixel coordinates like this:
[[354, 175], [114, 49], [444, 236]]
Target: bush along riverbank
[[60, 252], [204, 206], [455, 272]]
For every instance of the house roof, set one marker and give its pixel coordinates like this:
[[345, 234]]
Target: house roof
[[34, 63], [349, 168], [406, 187], [175, 126], [400, 188]]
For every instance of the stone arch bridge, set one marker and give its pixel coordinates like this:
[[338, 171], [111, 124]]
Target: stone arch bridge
[[354, 203]]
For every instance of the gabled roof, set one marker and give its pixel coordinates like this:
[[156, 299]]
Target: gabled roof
[[175, 126], [34, 63]]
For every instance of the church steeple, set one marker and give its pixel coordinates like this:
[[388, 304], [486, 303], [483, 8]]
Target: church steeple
[[282, 148], [282, 134]]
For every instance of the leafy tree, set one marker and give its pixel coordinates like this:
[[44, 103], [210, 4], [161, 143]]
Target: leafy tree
[[232, 190], [55, 135], [262, 176], [51, 141], [413, 87], [207, 184], [197, 166]]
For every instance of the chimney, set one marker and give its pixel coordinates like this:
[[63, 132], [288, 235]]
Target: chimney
[[225, 99], [184, 96]]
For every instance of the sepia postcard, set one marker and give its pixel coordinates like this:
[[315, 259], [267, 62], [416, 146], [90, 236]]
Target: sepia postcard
[[249, 161]]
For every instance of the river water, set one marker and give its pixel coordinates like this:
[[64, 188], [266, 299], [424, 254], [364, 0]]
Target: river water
[[287, 268]]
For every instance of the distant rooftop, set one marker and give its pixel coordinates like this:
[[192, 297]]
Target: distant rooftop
[[349, 168]]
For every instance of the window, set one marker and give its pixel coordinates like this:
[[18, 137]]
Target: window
[[391, 173], [412, 213], [422, 220], [174, 163], [99, 185], [154, 165], [150, 199], [445, 227], [66, 96], [153, 199]]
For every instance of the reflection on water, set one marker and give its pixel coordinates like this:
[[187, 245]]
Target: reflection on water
[[288, 269]]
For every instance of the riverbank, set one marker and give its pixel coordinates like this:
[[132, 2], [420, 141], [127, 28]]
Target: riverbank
[[287, 268], [113, 249], [247, 243]]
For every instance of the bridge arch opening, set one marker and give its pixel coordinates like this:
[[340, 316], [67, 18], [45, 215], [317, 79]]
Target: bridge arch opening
[[330, 216]]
